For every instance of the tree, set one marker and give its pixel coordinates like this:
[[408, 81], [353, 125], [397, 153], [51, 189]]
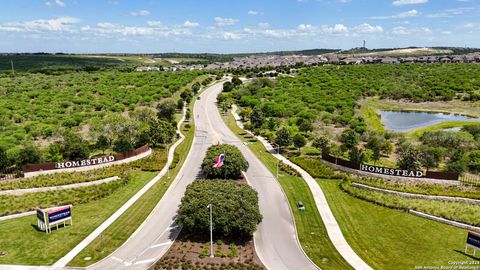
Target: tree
[[236, 81], [322, 143], [431, 156], [29, 154], [122, 145], [227, 86], [246, 113], [357, 155], [410, 159], [283, 137], [474, 161], [349, 139], [4, 161], [102, 143], [235, 209], [180, 104], [375, 145], [233, 165], [161, 132], [166, 110], [186, 95], [196, 87], [299, 141], [74, 147], [54, 152], [257, 118]]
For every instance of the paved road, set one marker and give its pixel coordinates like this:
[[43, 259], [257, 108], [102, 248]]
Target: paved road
[[275, 239]]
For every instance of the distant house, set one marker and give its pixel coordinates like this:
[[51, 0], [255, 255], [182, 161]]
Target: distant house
[[147, 69], [408, 60], [445, 60], [389, 60]]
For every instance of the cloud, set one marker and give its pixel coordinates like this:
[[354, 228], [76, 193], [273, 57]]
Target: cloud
[[155, 23], [142, 12], [41, 25], [400, 30], [254, 13], [449, 13], [399, 3], [366, 28], [219, 21], [406, 14], [190, 24], [344, 1], [230, 36], [56, 3], [264, 25]]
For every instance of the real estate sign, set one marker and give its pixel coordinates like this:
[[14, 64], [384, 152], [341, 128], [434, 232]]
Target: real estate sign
[[47, 218], [473, 239]]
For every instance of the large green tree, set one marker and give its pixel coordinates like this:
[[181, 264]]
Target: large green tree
[[161, 132], [410, 159], [234, 162], [235, 208], [283, 137]]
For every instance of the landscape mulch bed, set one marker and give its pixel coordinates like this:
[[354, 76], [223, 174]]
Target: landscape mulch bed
[[191, 252]]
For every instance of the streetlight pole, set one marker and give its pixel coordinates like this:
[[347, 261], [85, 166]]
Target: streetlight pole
[[211, 230]]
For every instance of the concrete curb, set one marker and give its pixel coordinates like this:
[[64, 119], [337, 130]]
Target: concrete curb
[[333, 229], [416, 196], [18, 192], [445, 221], [90, 238]]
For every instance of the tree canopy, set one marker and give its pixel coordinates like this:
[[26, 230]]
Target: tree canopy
[[234, 162]]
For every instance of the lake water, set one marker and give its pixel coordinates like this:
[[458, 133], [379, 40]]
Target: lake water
[[401, 121]]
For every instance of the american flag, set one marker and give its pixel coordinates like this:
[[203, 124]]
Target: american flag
[[219, 160]]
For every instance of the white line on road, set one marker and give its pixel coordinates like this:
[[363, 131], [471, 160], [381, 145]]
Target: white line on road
[[144, 261], [162, 244]]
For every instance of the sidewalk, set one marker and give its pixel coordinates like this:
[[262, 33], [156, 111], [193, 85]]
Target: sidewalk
[[331, 225]]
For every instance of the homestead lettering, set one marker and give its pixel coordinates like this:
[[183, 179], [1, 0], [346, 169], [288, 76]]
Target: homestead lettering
[[390, 171], [86, 162]]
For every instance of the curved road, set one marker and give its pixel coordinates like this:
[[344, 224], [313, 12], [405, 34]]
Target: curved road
[[275, 239]]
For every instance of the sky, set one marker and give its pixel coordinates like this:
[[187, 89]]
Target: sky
[[214, 26]]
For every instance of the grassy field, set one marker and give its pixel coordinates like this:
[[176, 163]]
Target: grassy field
[[392, 239], [24, 244], [117, 233], [311, 230]]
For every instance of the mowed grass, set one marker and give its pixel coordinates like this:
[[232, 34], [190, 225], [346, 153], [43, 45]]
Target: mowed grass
[[393, 239], [117, 233], [310, 228], [24, 244]]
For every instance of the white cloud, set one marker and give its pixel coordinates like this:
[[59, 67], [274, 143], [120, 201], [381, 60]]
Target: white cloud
[[155, 23], [230, 36], [344, 1], [58, 24], [399, 3], [446, 32], [366, 28], [142, 12], [254, 13], [406, 14], [56, 3], [219, 21], [400, 30], [264, 25], [190, 24]]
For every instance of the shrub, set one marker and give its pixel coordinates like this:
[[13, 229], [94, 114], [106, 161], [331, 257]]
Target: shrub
[[235, 208], [234, 162]]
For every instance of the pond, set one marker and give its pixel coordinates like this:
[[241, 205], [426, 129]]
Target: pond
[[401, 121]]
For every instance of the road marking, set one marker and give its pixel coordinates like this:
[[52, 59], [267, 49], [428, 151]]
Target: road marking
[[162, 244], [144, 261], [121, 261]]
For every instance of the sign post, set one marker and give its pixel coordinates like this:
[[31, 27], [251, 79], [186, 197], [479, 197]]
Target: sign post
[[473, 241], [47, 218]]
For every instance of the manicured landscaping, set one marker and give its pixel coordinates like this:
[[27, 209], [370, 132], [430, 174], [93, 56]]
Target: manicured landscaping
[[24, 244], [393, 239], [117, 233], [310, 228]]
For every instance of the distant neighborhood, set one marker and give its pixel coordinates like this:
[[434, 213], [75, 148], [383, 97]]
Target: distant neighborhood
[[256, 61]]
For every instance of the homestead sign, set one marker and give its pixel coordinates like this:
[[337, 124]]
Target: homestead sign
[[390, 171], [85, 162]]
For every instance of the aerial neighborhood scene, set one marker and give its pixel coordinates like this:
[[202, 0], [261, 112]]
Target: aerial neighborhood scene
[[224, 135]]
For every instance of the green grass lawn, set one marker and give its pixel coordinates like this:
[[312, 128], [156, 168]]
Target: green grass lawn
[[117, 233], [25, 245], [311, 230], [392, 239]]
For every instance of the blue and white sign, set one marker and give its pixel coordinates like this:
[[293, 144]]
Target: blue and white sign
[[59, 214], [47, 218]]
